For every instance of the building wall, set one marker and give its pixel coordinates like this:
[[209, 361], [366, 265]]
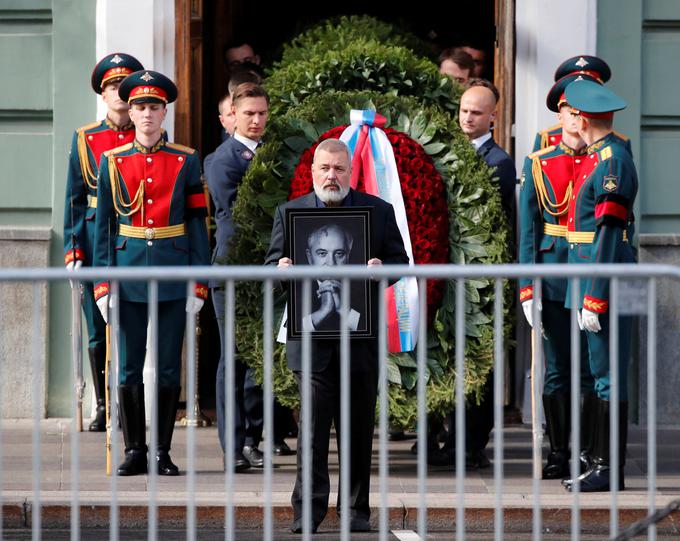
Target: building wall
[[641, 41], [46, 56]]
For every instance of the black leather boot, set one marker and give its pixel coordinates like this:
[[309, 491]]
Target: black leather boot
[[588, 429], [168, 398], [133, 422], [557, 419], [98, 365], [589, 419], [598, 477]]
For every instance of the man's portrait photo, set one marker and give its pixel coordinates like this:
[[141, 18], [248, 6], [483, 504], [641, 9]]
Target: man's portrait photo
[[327, 238]]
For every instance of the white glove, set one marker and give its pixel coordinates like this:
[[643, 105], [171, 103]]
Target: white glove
[[591, 321], [194, 305], [74, 266], [579, 319], [106, 303], [528, 307]]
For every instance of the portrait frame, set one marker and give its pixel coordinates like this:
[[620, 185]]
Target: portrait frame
[[310, 230]]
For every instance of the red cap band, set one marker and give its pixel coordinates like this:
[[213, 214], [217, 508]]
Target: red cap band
[[115, 73], [148, 92]]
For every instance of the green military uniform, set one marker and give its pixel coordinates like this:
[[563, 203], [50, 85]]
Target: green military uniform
[[546, 186], [89, 143], [600, 212], [151, 211]]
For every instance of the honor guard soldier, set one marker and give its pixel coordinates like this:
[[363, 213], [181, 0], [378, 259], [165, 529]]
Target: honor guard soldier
[[589, 67], [89, 142], [150, 212], [600, 211], [546, 187]]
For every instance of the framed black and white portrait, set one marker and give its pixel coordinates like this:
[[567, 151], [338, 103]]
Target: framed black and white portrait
[[328, 237]]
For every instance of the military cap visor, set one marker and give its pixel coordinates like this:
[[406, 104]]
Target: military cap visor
[[593, 100], [147, 86], [113, 67], [584, 65], [556, 97]]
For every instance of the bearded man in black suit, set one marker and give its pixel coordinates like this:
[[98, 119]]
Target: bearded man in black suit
[[331, 173]]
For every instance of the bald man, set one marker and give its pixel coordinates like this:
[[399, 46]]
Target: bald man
[[477, 113]]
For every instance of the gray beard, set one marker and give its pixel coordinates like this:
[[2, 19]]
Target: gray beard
[[331, 197]]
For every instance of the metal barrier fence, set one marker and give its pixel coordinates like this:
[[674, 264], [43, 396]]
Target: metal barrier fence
[[649, 274]]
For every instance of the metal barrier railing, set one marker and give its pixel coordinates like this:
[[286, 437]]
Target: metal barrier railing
[[268, 275]]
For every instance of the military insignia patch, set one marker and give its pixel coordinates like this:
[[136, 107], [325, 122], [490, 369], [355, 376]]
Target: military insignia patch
[[247, 154], [146, 77], [610, 183], [116, 59], [582, 62]]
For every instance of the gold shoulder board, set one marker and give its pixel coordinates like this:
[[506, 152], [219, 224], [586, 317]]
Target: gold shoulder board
[[621, 135], [118, 150], [88, 127], [541, 152], [177, 146]]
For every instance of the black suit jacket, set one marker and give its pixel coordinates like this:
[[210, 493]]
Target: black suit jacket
[[224, 170], [386, 244], [496, 157]]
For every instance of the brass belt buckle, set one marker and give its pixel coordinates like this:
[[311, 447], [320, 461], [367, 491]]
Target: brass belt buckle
[[149, 233]]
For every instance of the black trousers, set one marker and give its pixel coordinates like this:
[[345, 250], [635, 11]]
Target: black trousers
[[479, 419], [325, 409]]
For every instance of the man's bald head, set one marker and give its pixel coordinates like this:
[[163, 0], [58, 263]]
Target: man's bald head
[[477, 111]]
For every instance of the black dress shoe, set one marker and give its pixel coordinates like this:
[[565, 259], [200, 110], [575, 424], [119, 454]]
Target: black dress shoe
[[134, 463], [254, 456], [282, 449], [358, 524], [297, 527], [165, 464], [442, 457], [99, 422], [475, 460], [240, 462]]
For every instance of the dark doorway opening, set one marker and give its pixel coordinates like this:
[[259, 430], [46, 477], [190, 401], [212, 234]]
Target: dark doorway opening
[[210, 25]]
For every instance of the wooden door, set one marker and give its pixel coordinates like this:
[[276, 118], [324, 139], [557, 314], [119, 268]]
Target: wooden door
[[189, 18], [504, 72]]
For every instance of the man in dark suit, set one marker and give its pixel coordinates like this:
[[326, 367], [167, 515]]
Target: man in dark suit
[[224, 170], [331, 172], [476, 115]]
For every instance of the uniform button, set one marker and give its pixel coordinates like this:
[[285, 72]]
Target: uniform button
[[552, 139], [149, 243], [584, 176], [180, 159], [121, 136], [571, 246], [573, 197], [149, 159], [544, 162], [577, 161], [571, 219], [120, 160], [149, 201], [149, 180], [150, 222], [592, 156], [90, 137]]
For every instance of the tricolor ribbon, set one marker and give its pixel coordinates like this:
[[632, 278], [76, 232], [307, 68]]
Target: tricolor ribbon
[[373, 156]]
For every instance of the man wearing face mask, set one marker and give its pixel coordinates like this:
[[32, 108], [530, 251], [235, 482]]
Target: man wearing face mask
[[331, 173], [89, 142], [150, 212]]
